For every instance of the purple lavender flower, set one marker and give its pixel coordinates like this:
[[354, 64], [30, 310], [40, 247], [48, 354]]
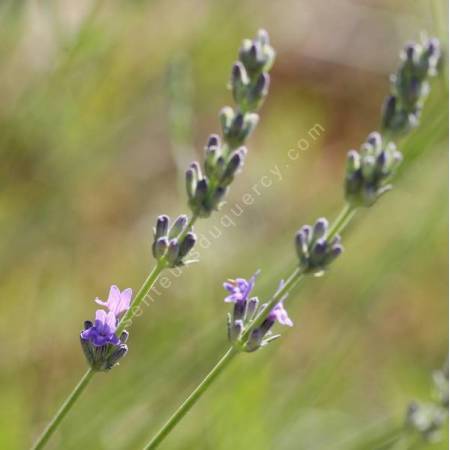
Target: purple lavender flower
[[244, 311], [239, 288], [101, 346], [102, 332], [279, 314], [118, 302]]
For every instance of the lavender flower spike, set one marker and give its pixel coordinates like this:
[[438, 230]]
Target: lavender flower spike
[[245, 309], [118, 302], [101, 346]]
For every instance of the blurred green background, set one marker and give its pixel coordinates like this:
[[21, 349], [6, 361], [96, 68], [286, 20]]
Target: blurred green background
[[103, 104]]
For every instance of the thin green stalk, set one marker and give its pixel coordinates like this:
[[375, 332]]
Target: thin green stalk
[[338, 225], [139, 297], [124, 322], [65, 407], [192, 399], [342, 220]]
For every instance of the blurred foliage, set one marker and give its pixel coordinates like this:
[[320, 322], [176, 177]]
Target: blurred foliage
[[91, 152]]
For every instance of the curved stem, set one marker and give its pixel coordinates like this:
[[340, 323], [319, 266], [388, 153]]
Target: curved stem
[[125, 321], [191, 400], [63, 410]]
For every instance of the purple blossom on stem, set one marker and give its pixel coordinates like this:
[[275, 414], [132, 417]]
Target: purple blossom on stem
[[239, 289], [102, 332], [244, 311], [118, 302], [280, 314], [101, 346]]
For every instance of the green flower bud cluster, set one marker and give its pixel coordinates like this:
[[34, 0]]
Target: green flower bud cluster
[[314, 250], [410, 86], [369, 169], [207, 186], [171, 244]]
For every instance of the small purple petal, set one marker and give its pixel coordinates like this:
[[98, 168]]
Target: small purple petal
[[239, 288], [280, 314], [118, 302]]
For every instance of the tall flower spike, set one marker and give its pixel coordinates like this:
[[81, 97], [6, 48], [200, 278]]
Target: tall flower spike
[[369, 170], [172, 244], [249, 83], [410, 86], [245, 309], [314, 249]]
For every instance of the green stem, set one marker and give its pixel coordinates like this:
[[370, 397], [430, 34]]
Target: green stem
[[127, 318], [125, 321], [63, 410], [342, 220], [338, 225], [191, 400]]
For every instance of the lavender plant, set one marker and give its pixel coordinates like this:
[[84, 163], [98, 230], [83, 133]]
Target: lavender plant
[[367, 175], [428, 419], [104, 341], [410, 86]]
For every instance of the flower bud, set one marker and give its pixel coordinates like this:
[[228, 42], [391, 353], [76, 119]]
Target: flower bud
[[162, 225], [239, 82], [172, 252], [178, 226], [186, 246], [159, 247], [320, 228]]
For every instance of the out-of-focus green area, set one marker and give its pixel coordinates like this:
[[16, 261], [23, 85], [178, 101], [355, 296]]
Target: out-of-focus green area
[[103, 104]]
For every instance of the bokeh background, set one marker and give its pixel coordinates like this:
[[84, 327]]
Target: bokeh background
[[103, 104]]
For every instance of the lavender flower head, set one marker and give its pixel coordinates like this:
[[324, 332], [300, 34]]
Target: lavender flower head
[[315, 250], [245, 309], [171, 244], [369, 170], [101, 346], [410, 86]]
